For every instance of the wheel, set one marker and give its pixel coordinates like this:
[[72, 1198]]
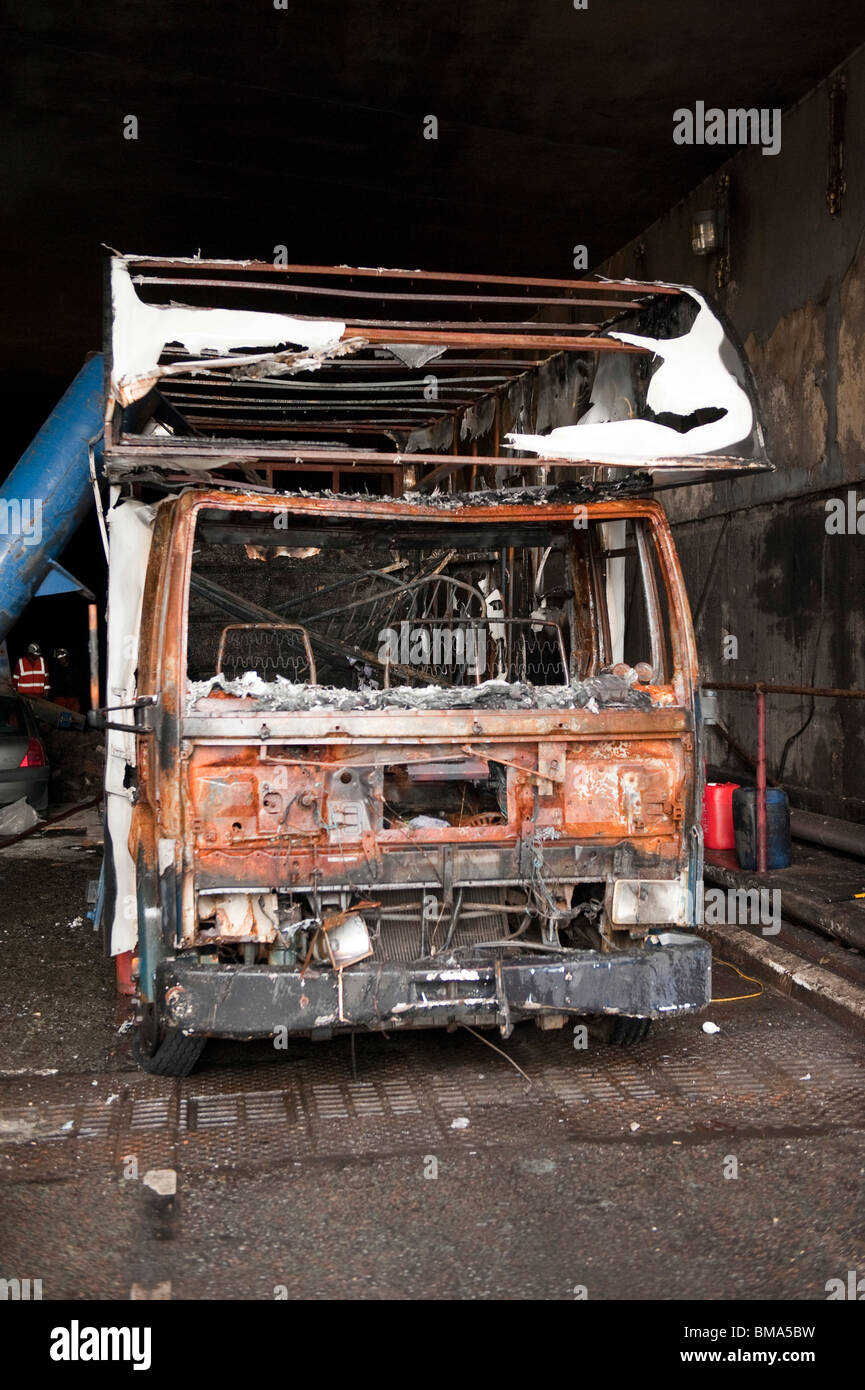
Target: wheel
[[619, 1030], [627, 1031], [164, 1051]]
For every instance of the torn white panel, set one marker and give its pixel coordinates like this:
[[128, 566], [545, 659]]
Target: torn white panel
[[495, 608], [141, 332], [130, 529], [416, 354], [692, 376]]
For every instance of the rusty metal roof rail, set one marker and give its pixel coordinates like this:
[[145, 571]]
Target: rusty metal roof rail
[[405, 378]]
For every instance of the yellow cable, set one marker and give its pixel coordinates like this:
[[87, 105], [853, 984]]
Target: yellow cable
[[732, 998]]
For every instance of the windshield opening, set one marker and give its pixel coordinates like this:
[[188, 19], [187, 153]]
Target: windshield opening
[[442, 614]]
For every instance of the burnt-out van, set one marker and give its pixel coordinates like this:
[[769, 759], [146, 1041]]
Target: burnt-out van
[[425, 754]]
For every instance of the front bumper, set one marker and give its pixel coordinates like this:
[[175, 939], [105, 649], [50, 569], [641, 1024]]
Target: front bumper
[[673, 976]]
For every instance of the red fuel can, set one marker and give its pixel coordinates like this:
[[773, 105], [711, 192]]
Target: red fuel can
[[718, 830], [123, 967]]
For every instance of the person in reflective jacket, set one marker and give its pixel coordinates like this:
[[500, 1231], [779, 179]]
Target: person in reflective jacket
[[30, 676]]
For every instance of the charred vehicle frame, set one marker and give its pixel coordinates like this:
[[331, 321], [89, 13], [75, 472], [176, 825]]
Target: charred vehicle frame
[[320, 835]]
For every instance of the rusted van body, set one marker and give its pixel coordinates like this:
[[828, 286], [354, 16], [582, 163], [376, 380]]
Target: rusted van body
[[396, 761]]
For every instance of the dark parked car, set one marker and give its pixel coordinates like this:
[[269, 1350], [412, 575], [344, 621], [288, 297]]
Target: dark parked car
[[24, 769]]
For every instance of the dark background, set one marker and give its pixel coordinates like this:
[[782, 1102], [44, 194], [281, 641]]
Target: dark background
[[304, 127]]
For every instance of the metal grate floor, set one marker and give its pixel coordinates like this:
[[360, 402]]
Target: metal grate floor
[[774, 1068]]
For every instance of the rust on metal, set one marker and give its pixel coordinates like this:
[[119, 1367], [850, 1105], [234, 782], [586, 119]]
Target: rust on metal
[[253, 798], [449, 713], [412, 399]]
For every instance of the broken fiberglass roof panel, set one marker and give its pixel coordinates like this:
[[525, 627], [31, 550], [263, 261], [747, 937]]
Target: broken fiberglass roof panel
[[409, 376]]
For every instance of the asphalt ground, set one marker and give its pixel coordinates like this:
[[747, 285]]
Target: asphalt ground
[[418, 1166]]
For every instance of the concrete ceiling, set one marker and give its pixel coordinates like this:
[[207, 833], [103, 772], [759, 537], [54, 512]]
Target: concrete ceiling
[[304, 127]]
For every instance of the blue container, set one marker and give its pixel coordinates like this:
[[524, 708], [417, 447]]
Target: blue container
[[779, 851]]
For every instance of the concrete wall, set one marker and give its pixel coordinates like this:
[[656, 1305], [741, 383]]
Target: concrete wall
[[791, 594]]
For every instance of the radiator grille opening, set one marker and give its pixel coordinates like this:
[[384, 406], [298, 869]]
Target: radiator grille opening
[[414, 924]]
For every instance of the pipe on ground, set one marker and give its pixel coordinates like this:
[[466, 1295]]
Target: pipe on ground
[[843, 835]]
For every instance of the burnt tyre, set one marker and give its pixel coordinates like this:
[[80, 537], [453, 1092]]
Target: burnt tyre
[[627, 1031], [619, 1030], [164, 1051]]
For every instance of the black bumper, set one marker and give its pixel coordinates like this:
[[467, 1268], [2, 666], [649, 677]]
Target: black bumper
[[657, 981]]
